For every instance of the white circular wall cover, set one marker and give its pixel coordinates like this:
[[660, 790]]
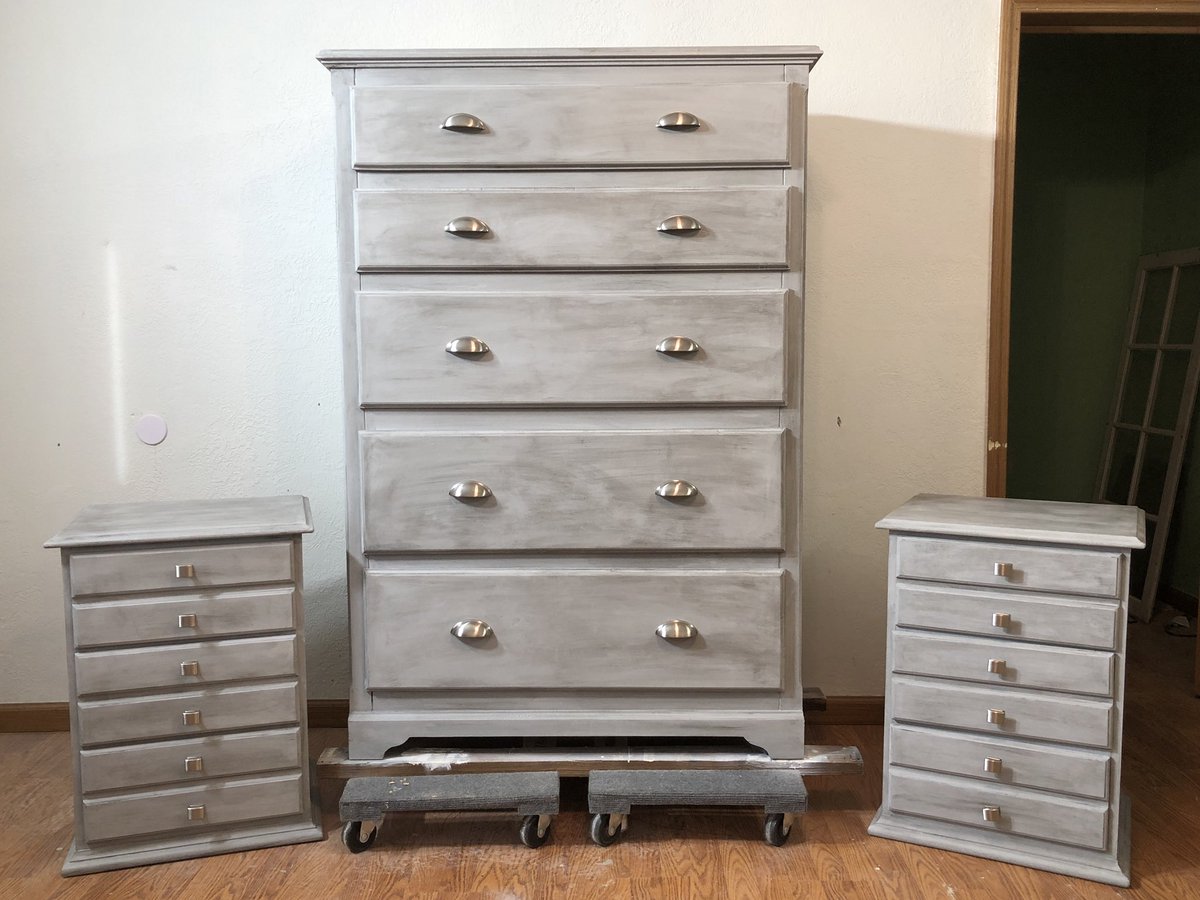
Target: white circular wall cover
[[151, 429]]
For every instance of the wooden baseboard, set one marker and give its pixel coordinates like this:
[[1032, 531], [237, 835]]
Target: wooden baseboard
[[22, 717], [1177, 599]]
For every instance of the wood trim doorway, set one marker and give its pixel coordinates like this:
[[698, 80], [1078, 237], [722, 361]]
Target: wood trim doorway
[[1062, 17]]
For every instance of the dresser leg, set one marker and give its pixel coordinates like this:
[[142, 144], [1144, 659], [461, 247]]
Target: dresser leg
[[783, 741]]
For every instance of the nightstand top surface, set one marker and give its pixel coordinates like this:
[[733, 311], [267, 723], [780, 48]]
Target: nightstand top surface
[[1054, 522], [185, 520]]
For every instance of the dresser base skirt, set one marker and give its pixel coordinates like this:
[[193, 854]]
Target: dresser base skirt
[[779, 732], [126, 854], [1109, 868]]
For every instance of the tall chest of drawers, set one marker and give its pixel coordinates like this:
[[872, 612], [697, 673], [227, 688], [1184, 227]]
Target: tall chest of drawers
[[1006, 654], [186, 661], [571, 291]]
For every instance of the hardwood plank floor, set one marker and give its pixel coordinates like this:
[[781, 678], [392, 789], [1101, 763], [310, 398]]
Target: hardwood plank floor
[[667, 853]]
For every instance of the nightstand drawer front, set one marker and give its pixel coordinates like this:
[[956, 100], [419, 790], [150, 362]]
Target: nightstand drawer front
[[1003, 761], [1008, 614], [1082, 823], [188, 713], [184, 665], [573, 490], [538, 126], [183, 568], [570, 229], [182, 618], [571, 350], [212, 805], [1007, 664], [574, 630], [1030, 714], [1018, 566], [215, 756]]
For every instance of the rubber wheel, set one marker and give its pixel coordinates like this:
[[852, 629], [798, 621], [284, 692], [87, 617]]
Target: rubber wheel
[[353, 839], [529, 832], [773, 831], [600, 832]]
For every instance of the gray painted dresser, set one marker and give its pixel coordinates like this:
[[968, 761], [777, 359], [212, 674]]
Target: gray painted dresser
[[186, 666], [1006, 653], [571, 291]]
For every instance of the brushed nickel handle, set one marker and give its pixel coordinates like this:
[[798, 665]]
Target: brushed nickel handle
[[1001, 620], [191, 717], [468, 227], [471, 630], [675, 489], [1003, 570], [681, 226], [464, 123], [676, 630], [467, 346], [991, 814], [992, 765], [193, 764], [995, 716], [196, 814], [185, 571], [188, 620], [997, 666], [470, 490], [677, 346], [191, 667], [678, 121]]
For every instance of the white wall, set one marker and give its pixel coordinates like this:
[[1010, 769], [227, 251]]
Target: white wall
[[167, 245]]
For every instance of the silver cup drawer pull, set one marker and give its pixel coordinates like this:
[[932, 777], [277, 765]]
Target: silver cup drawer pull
[[464, 123], [190, 667], [995, 716], [1002, 569], [188, 620], [471, 630], [470, 490], [678, 121], [185, 571], [997, 666], [680, 226], [1001, 620], [468, 227], [676, 630], [196, 814], [193, 764], [991, 814], [467, 346], [676, 489], [992, 765], [677, 346]]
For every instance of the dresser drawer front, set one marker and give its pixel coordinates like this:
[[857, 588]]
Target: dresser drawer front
[[571, 350], [1054, 668], [574, 630], [215, 756], [543, 126], [573, 490], [216, 709], [211, 614], [1040, 766], [101, 671], [157, 570], [1088, 623], [1083, 823], [570, 229], [1031, 714], [161, 811], [1057, 569]]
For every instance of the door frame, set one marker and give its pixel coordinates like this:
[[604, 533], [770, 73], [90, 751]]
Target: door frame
[[1060, 17]]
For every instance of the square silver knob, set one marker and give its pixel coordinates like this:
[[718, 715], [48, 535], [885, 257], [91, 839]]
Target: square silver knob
[[997, 666], [191, 717], [991, 814], [185, 571], [193, 764], [995, 716], [1003, 570], [190, 667], [992, 765], [195, 814], [188, 620], [1001, 620]]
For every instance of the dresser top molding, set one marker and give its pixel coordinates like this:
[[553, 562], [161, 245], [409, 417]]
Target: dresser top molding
[[1097, 525], [185, 520], [591, 56]]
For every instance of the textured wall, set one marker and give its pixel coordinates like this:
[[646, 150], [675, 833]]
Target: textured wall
[[167, 245]]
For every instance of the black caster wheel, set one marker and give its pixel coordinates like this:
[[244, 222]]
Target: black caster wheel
[[774, 831], [353, 839], [600, 833], [529, 832]]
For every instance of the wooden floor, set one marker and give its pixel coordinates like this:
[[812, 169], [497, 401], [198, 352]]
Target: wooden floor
[[666, 854]]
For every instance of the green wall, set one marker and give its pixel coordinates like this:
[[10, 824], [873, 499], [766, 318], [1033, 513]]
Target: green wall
[[1108, 168]]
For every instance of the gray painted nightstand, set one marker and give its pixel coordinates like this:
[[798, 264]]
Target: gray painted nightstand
[[186, 666]]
